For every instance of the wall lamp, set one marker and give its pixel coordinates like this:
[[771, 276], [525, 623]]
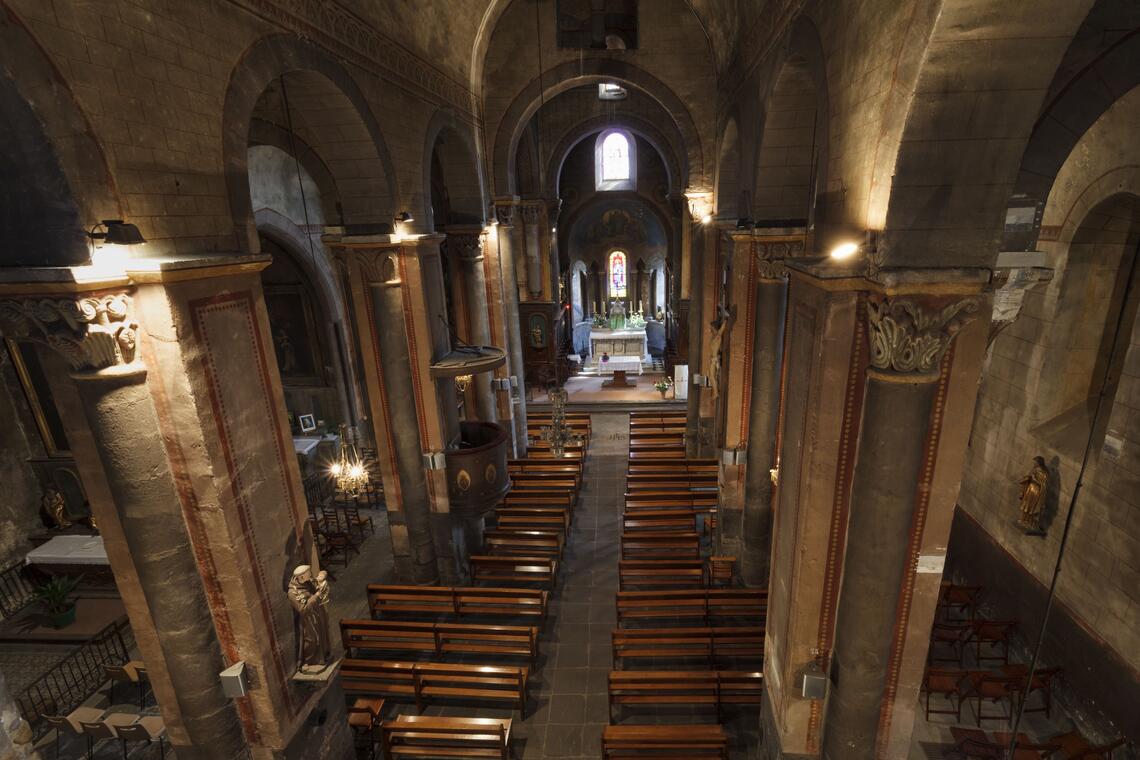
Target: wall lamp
[[846, 249], [405, 216], [116, 232]]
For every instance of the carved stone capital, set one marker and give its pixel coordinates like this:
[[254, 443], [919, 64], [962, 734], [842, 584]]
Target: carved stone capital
[[778, 249], [531, 211], [910, 339], [505, 212], [467, 246], [91, 333], [771, 269]]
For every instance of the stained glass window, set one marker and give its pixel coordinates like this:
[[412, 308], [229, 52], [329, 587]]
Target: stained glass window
[[617, 275]]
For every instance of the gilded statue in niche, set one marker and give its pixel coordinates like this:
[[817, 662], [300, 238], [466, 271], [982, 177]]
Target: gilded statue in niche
[[309, 596], [56, 507], [1032, 490]]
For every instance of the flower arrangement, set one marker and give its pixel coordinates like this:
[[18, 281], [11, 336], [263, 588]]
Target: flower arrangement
[[636, 320], [600, 320], [663, 385]]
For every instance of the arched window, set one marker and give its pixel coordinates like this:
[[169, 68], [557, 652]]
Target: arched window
[[615, 161], [617, 275]]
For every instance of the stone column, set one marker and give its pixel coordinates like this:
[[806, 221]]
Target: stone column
[[497, 318], [903, 397], [469, 244], [532, 218], [505, 213], [587, 283], [600, 279], [98, 336], [696, 332]]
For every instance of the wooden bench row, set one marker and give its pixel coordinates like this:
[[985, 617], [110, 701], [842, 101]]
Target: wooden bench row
[[691, 742], [698, 688], [429, 681], [421, 736], [513, 569], [704, 605], [524, 543], [714, 645], [439, 639], [660, 546], [457, 601], [661, 573], [659, 521], [540, 466]]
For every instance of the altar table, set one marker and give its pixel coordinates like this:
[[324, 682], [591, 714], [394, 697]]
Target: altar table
[[620, 364], [628, 342], [69, 550]]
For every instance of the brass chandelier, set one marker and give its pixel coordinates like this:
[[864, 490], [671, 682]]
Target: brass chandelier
[[348, 471]]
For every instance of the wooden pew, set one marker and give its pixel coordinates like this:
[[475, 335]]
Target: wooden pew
[[659, 688], [692, 466], [541, 481], [524, 543], [456, 601], [684, 742], [704, 605], [421, 736], [426, 681], [715, 645], [662, 480], [661, 573], [513, 569], [539, 466], [659, 521], [546, 453], [540, 498], [439, 639], [532, 518], [657, 456], [660, 546]]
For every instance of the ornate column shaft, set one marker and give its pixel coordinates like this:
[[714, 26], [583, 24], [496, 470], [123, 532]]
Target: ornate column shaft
[[532, 218], [97, 335], [696, 332], [505, 213], [469, 244], [901, 420]]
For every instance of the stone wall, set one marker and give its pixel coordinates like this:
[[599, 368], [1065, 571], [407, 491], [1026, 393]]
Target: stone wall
[[19, 440]]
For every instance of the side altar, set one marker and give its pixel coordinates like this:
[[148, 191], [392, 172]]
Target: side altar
[[624, 342]]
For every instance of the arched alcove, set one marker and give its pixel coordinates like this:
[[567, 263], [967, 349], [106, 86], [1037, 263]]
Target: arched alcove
[[452, 177]]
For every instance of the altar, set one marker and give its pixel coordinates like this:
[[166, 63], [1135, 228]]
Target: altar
[[625, 342]]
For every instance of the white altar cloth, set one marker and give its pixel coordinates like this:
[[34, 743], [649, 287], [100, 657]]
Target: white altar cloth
[[69, 550], [628, 363], [626, 342]]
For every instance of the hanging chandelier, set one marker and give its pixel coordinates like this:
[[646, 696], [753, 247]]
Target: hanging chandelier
[[348, 471], [559, 434]]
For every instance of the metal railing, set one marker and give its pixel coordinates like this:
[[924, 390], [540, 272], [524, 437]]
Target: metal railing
[[17, 589], [73, 680]]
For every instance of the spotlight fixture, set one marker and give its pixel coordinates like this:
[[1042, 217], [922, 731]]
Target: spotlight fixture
[[706, 219], [844, 250], [116, 232], [405, 216]]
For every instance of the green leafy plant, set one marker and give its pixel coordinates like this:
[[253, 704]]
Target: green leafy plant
[[55, 595], [663, 384], [600, 320], [635, 320]]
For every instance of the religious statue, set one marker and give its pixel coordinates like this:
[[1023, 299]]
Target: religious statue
[[1032, 496], [310, 598], [721, 326], [56, 507]]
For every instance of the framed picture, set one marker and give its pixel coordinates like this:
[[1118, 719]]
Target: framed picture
[[294, 335], [307, 422], [26, 362]]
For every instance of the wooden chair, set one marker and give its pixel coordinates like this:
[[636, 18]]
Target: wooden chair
[[721, 570], [946, 683], [1042, 682], [147, 729], [72, 723], [958, 598], [1073, 746], [994, 634], [126, 673], [105, 728], [990, 687], [354, 521], [974, 744], [952, 635]]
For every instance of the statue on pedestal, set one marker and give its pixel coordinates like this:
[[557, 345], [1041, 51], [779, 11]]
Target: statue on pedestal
[[1032, 496], [310, 597]]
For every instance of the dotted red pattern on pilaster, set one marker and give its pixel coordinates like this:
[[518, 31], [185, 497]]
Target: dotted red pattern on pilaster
[[918, 526], [395, 504], [199, 309], [837, 537]]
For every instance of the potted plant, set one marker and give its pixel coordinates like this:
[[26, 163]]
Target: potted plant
[[663, 385], [55, 596]]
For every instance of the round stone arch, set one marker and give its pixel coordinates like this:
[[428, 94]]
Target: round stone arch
[[55, 183], [938, 205], [661, 142], [264, 62], [573, 74], [789, 167], [263, 132], [462, 169], [566, 226]]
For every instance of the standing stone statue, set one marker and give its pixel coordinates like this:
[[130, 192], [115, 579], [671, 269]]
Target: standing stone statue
[[310, 597], [1032, 497], [716, 349]]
